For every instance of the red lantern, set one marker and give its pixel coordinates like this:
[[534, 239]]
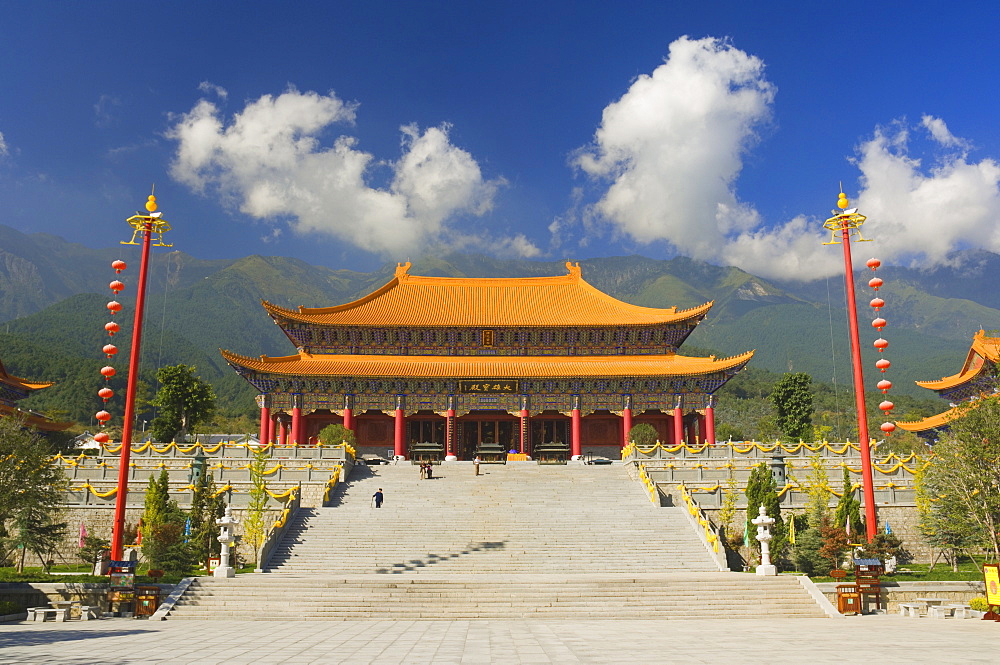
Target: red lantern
[[114, 306], [873, 263], [886, 406], [112, 328], [878, 323], [103, 416], [105, 393], [119, 265], [108, 371], [888, 428], [881, 344], [884, 385], [882, 364], [110, 349], [116, 286], [877, 304], [101, 437], [875, 283]]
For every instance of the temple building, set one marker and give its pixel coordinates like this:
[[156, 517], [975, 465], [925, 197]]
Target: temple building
[[14, 389], [978, 378], [435, 367]]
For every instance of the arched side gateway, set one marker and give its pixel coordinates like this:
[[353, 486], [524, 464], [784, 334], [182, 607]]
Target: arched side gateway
[[431, 366]]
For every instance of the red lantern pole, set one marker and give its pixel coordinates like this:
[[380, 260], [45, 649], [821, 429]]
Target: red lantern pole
[[145, 225], [844, 224]]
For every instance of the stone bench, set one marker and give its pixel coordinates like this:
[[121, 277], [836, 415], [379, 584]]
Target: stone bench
[[939, 611], [40, 613], [962, 611], [910, 609]]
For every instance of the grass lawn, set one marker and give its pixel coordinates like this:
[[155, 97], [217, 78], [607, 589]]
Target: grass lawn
[[917, 572]]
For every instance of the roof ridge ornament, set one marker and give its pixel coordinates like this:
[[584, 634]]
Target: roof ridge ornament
[[401, 270], [574, 269]]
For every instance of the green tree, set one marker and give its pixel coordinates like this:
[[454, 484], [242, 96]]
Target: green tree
[[163, 528], [761, 490], [848, 508], [184, 401], [334, 435], [808, 552], [253, 527], [793, 404], [205, 509], [963, 481], [31, 491]]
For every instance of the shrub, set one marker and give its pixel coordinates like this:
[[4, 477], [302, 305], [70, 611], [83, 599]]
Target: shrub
[[643, 435], [10, 607], [979, 604], [334, 435]]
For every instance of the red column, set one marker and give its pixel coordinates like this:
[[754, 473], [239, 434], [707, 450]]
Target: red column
[[265, 419], [678, 425], [449, 433], [282, 431], [626, 425], [524, 431], [349, 418], [575, 447], [271, 428], [710, 425], [297, 427], [692, 435], [400, 436]]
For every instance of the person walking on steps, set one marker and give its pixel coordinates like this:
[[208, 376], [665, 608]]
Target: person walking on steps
[[377, 498]]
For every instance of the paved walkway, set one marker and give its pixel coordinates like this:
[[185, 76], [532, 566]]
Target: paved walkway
[[853, 639]]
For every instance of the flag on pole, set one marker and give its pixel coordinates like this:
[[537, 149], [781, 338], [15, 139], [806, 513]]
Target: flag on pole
[[791, 529], [746, 533], [138, 533], [83, 534], [888, 529]]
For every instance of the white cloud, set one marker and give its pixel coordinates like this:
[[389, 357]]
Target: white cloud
[[672, 147], [210, 88], [921, 214], [269, 161], [4, 150], [105, 110]]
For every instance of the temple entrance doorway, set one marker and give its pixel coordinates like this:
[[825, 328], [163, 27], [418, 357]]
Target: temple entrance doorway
[[482, 433]]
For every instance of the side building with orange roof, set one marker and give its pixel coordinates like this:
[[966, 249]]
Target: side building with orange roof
[[977, 378], [13, 389], [436, 367]]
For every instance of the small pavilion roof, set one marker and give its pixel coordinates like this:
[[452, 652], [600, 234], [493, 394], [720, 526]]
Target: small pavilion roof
[[984, 352], [36, 420], [488, 367], [412, 300]]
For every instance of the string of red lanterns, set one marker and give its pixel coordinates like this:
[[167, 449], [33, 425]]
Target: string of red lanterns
[[881, 344], [111, 327]]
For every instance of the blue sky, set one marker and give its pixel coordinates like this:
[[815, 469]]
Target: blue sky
[[352, 133]]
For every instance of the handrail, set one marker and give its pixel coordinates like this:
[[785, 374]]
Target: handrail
[[707, 532], [277, 530]]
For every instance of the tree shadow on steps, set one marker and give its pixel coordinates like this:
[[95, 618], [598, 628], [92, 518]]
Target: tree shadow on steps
[[432, 559]]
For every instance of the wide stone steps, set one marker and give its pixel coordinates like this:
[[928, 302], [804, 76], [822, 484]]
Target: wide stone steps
[[519, 541], [270, 597]]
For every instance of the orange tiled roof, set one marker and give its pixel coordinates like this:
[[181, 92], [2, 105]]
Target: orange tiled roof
[[983, 348], [16, 381], [305, 364], [411, 300], [930, 422]]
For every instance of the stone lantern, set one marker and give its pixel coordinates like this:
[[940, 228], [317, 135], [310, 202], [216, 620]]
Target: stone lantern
[[764, 523], [226, 537]]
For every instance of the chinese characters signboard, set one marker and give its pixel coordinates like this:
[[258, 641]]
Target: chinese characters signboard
[[489, 386]]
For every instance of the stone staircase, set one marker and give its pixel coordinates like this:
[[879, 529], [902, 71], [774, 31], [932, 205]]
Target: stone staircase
[[521, 540]]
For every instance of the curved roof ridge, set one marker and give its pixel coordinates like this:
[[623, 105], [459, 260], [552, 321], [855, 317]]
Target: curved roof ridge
[[417, 300]]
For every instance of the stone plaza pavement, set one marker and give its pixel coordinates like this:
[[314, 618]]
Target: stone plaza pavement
[[869, 639]]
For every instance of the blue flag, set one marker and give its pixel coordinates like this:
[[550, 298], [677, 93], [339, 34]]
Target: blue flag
[[888, 529]]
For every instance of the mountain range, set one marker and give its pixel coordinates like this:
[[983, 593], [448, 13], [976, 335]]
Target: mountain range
[[53, 295]]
